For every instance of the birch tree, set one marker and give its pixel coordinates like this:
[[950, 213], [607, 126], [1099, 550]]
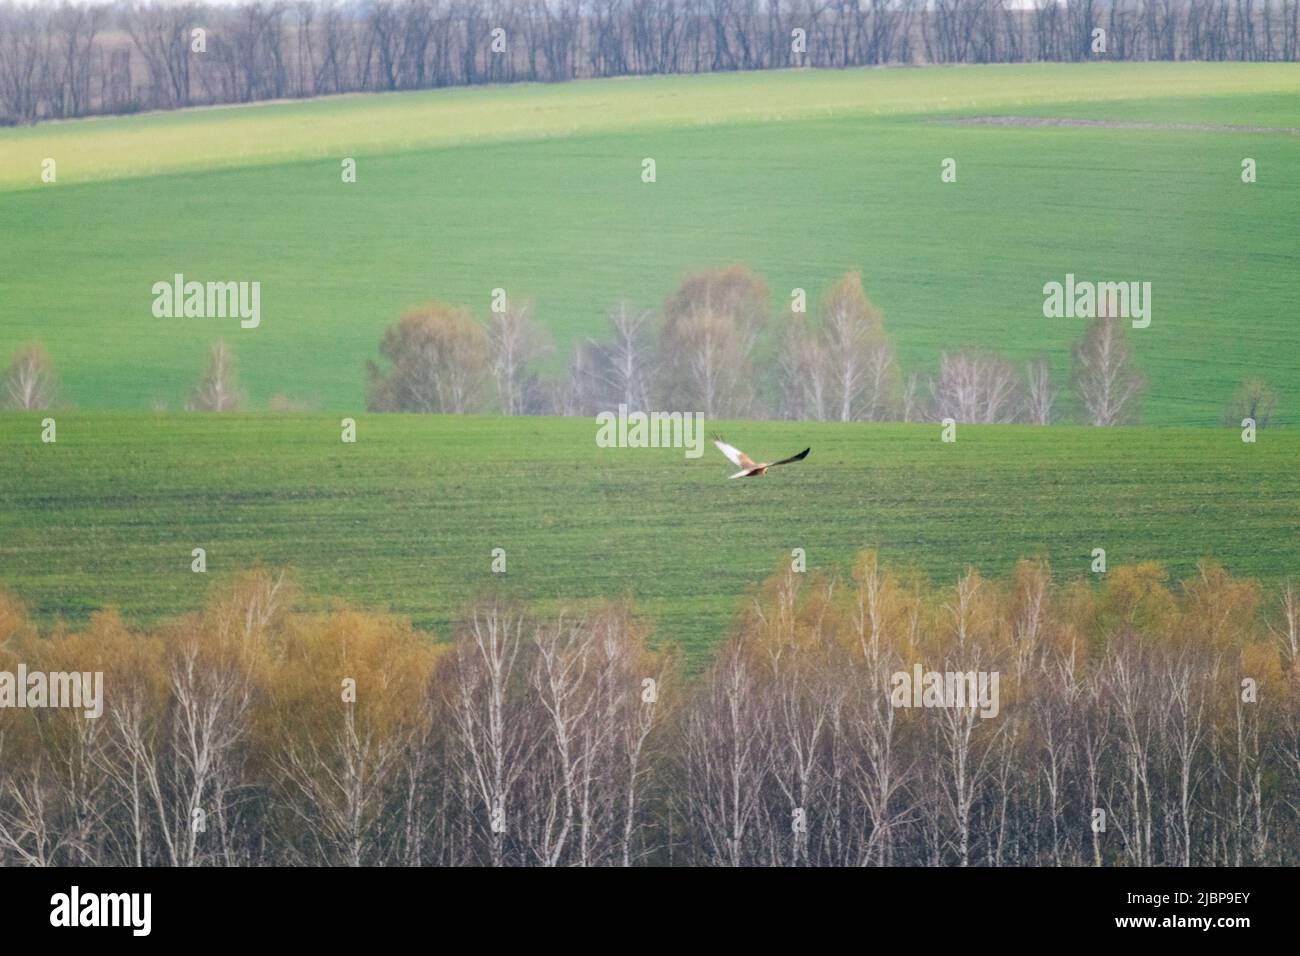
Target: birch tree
[[218, 390], [1107, 387], [29, 381], [516, 342]]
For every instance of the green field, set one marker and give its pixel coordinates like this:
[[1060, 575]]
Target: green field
[[406, 518], [800, 175]]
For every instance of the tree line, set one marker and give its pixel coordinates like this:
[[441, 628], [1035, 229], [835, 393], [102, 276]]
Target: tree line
[[714, 348], [1140, 723], [84, 58]]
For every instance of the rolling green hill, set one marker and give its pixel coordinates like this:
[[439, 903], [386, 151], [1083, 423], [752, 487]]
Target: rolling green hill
[[537, 189], [406, 518]]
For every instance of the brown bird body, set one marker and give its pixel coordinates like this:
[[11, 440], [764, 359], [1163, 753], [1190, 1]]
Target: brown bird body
[[748, 467]]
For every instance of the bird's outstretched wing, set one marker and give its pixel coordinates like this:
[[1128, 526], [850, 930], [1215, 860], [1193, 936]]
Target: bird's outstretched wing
[[734, 455], [785, 461]]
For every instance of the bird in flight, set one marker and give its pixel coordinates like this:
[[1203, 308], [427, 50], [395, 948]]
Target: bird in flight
[[748, 467]]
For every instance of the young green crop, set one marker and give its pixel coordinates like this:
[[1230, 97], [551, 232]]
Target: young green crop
[[537, 189], [407, 517]]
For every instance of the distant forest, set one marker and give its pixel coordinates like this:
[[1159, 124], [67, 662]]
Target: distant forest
[[83, 59]]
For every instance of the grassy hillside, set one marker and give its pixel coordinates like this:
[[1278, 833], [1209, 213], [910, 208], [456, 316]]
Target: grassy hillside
[[800, 175], [269, 133], [407, 518]]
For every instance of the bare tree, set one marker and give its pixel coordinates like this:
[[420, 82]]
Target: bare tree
[[29, 382], [76, 28], [727, 762], [580, 393], [161, 32], [804, 372], [863, 375], [912, 405], [1287, 626], [516, 342], [66, 62], [339, 786], [340, 755], [1039, 395], [711, 326], [1106, 385], [24, 61], [974, 388], [218, 391], [627, 369], [1129, 682], [495, 733]]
